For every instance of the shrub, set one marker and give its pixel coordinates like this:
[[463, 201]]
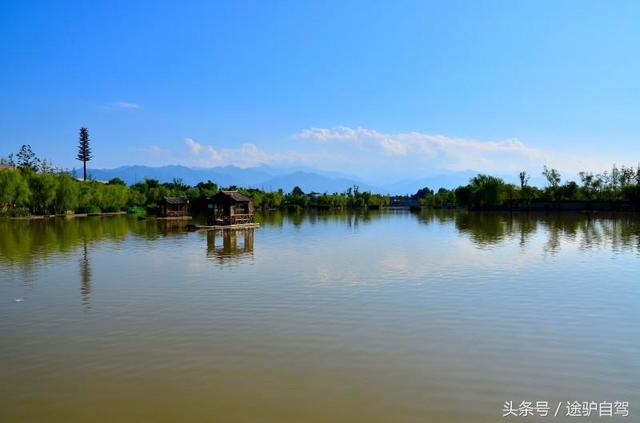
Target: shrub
[[91, 209], [137, 211], [16, 212]]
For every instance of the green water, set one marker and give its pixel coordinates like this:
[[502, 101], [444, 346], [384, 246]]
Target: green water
[[432, 317]]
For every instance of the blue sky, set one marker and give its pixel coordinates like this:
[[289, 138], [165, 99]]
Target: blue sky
[[375, 89]]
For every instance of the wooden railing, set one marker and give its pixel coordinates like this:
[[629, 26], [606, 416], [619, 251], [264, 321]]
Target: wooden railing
[[236, 219], [175, 213], [241, 218]]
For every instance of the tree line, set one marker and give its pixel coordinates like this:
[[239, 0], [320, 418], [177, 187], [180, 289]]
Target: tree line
[[29, 185], [33, 186], [490, 192], [27, 191]]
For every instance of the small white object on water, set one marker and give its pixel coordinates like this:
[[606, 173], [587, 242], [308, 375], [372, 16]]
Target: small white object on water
[[19, 300]]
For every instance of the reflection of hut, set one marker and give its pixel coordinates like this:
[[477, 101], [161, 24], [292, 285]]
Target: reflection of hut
[[229, 208], [174, 207], [228, 244]]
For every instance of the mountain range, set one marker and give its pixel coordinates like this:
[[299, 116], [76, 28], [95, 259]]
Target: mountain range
[[268, 178]]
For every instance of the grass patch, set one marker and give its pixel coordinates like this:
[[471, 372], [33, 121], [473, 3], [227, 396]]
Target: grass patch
[[138, 211]]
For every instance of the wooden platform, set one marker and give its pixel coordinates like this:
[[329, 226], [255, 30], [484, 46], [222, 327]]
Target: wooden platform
[[173, 218], [212, 227]]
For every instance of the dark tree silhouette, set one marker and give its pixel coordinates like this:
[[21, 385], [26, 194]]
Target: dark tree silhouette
[[27, 159], [84, 150], [524, 179]]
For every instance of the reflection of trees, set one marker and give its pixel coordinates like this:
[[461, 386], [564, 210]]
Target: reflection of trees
[[167, 228], [275, 218], [27, 242], [526, 226], [439, 216], [352, 218], [484, 228], [229, 244], [588, 231], [85, 275]]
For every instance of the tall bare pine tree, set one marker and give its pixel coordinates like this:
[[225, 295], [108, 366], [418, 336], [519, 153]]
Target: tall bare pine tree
[[84, 150]]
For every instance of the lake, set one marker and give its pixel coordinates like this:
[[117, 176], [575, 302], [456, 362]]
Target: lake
[[373, 317]]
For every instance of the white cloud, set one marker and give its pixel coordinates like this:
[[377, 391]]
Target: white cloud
[[437, 151], [194, 147], [247, 155], [393, 147], [155, 150], [384, 156], [123, 105]]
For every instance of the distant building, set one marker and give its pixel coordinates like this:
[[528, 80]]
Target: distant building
[[404, 202], [229, 208], [174, 207]]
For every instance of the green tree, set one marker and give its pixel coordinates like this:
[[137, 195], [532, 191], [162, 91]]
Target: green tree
[[113, 197], [43, 192], [7, 160], [553, 179], [116, 181], [84, 150], [27, 159], [90, 197], [67, 194], [297, 198], [588, 186], [511, 193], [524, 179], [463, 196], [487, 191], [552, 176], [207, 189], [570, 191], [14, 189], [423, 192]]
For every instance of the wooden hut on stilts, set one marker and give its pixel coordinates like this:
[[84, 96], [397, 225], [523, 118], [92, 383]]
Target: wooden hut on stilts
[[174, 208], [229, 208]]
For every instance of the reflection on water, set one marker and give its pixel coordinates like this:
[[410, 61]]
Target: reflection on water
[[372, 316], [85, 275], [229, 244], [590, 230], [24, 242]]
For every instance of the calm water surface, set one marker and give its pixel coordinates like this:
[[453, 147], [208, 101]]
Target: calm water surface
[[432, 317]]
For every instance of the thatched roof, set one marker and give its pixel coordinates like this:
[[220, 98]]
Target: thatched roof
[[175, 200], [235, 196]]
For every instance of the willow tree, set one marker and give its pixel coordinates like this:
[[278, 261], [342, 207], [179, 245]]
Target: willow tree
[[84, 150]]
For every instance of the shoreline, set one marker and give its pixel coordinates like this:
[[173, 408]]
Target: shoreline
[[69, 216], [515, 210]]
